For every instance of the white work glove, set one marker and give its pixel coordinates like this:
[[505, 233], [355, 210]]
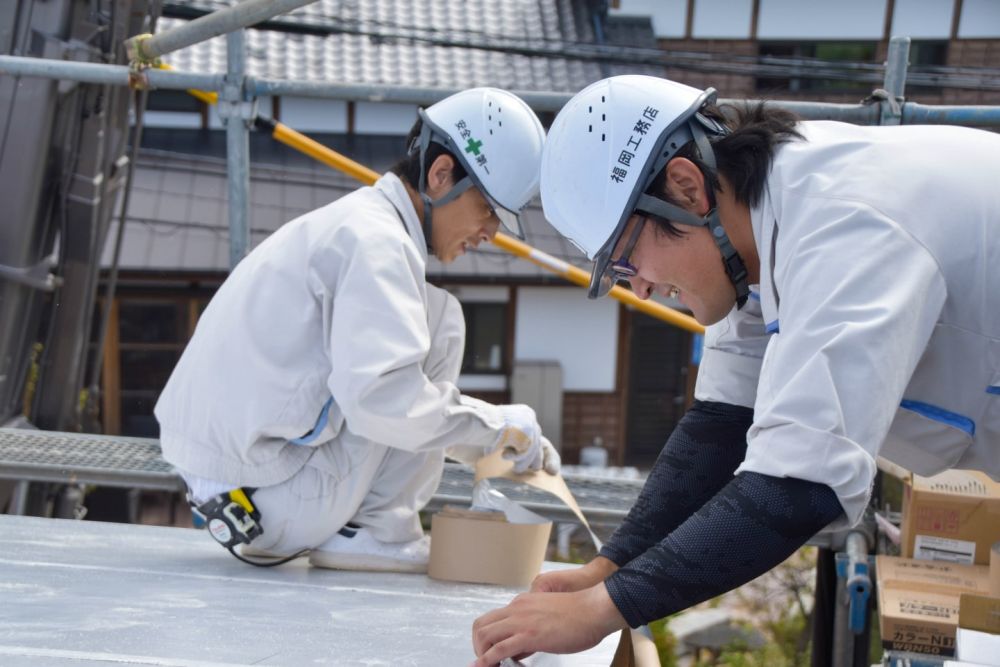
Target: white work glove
[[522, 441], [551, 461]]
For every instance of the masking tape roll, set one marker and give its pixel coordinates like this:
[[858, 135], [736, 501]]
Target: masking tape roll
[[494, 465]]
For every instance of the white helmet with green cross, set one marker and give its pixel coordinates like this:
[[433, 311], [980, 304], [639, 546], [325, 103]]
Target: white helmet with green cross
[[497, 138]]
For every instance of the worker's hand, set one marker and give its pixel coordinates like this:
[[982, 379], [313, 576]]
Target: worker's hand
[[549, 622], [577, 579], [521, 437]]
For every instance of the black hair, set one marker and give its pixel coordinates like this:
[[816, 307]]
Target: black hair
[[408, 168], [743, 156]]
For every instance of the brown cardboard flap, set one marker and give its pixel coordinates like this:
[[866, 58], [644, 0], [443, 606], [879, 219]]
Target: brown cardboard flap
[[979, 612], [494, 465], [894, 572], [968, 483], [995, 570]]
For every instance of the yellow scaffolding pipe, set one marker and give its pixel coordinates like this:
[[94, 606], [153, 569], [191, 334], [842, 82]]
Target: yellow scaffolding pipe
[[331, 158]]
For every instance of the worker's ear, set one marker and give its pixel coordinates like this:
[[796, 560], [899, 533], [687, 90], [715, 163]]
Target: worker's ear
[[686, 185], [439, 176]]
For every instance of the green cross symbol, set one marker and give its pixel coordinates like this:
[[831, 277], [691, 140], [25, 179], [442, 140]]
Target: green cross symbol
[[473, 147]]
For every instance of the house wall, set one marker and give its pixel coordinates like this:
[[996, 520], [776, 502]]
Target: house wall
[[969, 28], [562, 324], [307, 114], [589, 415], [313, 115], [151, 325]]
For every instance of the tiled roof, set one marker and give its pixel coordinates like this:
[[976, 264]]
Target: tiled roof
[[178, 218], [435, 44]]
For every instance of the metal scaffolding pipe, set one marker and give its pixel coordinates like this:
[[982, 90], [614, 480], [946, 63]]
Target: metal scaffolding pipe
[[237, 148], [115, 75], [896, 66], [898, 61], [147, 48], [861, 114], [969, 116], [265, 87]]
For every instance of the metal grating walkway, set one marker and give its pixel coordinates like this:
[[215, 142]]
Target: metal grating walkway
[[81, 458]]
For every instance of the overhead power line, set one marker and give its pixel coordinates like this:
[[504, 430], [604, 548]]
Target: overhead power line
[[389, 32]]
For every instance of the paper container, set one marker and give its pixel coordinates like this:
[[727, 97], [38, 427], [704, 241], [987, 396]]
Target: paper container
[[484, 548]]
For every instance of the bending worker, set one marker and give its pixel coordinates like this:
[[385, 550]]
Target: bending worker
[[312, 408], [846, 276]]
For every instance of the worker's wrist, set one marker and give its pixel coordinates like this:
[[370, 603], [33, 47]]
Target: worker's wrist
[[600, 568], [602, 610]]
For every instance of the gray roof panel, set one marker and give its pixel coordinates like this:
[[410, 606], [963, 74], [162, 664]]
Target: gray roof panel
[[178, 218], [390, 52]]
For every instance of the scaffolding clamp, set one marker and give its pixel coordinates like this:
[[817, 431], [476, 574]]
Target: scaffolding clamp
[[890, 106], [233, 105], [135, 51], [139, 60]]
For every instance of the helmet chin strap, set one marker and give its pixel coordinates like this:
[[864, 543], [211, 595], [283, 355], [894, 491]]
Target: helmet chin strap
[[736, 270], [429, 204], [731, 260], [428, 218], [733, 264]]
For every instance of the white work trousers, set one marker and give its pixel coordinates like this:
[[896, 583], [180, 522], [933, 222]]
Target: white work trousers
[[348, 479]]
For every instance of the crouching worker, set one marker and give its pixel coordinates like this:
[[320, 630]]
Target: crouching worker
[[312, 408]]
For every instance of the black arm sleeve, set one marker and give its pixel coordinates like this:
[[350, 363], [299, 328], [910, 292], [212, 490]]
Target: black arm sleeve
[[755, 522], [700, 457]]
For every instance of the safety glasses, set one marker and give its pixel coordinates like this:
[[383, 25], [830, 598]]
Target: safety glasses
[[608, 272], [510, 220]]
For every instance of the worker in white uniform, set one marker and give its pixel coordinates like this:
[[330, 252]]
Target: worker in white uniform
[[312, 408], [846, 277]]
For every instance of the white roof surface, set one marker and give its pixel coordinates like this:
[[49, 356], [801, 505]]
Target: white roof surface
[[90, 593]]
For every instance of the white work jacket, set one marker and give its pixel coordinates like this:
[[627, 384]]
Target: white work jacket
[[326, 321], [875, 329]]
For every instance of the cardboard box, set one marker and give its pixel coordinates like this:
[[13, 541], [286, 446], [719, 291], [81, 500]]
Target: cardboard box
[[919, 602], [978, 638], [995, 570], [980, 613], [954, 517], [485, 548]]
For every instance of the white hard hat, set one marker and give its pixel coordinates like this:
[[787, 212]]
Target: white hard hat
[[603, 151], [498, 140]]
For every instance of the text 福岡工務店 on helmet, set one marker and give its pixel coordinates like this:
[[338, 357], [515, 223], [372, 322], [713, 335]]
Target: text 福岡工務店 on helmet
[[602, 153], [498, 140]]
